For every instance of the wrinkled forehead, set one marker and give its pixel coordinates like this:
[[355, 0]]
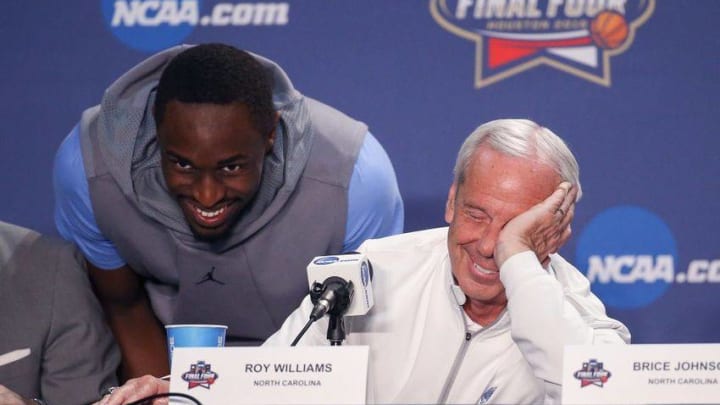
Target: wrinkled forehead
[[491, 173]]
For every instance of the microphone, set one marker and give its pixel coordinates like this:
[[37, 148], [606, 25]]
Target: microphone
[[340, 285], [332, 296]]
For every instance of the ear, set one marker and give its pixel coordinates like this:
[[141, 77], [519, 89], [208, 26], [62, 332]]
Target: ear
[[450, 204], [270, 142]]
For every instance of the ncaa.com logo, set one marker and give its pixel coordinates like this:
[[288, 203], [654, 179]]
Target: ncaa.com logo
[[630, 256], [152, 25]]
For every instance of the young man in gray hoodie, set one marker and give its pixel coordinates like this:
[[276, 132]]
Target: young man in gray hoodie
[[200, 188]]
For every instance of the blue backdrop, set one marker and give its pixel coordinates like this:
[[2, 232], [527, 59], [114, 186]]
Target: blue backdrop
[[632, 85]]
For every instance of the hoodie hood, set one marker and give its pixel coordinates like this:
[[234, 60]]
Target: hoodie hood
[[124, 133]]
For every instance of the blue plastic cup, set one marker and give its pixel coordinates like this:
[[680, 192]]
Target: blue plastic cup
[[194, 336]]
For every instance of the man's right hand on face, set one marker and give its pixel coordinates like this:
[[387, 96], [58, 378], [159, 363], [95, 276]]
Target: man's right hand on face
[[543, 229]]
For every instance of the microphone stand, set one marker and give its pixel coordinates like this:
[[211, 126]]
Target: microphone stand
[[336, 329]]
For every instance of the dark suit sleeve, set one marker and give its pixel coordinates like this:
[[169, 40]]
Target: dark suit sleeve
[[80, 356]]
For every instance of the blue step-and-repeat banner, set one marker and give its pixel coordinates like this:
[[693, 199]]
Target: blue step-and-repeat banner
[[632, 85]]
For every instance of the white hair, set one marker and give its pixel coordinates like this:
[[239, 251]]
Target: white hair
[[521, 138]]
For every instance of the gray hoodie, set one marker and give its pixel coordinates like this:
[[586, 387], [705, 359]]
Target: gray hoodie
[[299, 212]]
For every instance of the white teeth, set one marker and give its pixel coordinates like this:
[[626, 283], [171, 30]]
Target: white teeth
[[209, 214], [481, 270]]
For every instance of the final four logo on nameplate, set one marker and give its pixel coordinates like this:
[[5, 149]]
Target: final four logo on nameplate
[[592, 373], [200, 375], [575, 36]]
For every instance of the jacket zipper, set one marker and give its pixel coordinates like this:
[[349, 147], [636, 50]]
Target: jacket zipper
[[456, 365]]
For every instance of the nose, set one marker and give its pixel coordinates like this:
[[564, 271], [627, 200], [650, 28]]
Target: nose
[[485, 244], [207, 190]]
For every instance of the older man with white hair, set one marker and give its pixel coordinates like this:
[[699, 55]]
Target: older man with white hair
[[479, 312]]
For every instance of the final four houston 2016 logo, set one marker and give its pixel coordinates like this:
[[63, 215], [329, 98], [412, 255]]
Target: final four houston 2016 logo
[[511, 36], [592, 373], [200, 375]]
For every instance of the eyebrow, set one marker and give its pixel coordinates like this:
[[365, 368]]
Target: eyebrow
[[232, 159], [229, 160], [175, 155], [474, 207]]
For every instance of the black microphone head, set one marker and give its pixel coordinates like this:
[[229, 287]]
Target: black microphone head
[[338, 293]]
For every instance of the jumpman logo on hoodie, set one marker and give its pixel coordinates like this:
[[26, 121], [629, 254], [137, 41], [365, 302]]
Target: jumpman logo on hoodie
[[210, 276]]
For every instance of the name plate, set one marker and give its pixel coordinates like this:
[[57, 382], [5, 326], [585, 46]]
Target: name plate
[[271, 375], [642, 374]]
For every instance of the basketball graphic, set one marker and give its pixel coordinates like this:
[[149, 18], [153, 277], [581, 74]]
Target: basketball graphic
[[609, 30]]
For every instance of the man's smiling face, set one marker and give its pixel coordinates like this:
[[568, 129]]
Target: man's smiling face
[[496, 188], [212, 161]]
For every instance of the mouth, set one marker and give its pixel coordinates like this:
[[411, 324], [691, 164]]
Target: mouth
[[208, 218], [482, 270], [483, 274]]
